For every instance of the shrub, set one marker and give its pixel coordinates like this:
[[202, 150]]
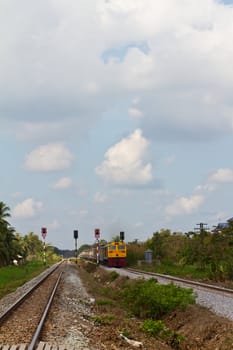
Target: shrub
[[102, 302], [126, 332], [89, 266], [158, 329], [148, 299], [113, 276], [104, 320], [153, 327]]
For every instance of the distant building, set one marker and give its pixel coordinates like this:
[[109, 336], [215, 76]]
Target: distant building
[[223, 225]]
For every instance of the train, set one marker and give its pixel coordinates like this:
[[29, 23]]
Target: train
[[112, 254]]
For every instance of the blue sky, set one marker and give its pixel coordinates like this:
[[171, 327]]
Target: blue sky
[[115, 115]]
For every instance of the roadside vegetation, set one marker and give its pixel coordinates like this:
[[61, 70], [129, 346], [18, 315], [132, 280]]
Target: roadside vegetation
[[205, 255], [148, 299], [201, 255], [12, 277], [148, 314], [21, 256], [140, 302]]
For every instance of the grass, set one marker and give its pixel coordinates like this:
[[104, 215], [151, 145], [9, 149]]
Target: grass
[[148, 299], [180, 271], [131, 307], [12, 277]]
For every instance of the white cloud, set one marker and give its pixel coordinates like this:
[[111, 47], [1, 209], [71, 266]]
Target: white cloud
[[100, 197], [209, 187], [218, 177], [50, 157], [178, 63], [27, 209], [135, 73], [185, 205], [42, 130], [167, 71], [222, 175], [123, 162], [54, 225], [135, 113], [63, 183]]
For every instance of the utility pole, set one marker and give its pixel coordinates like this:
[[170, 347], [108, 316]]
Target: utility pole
[[201, 228], [202, 252]]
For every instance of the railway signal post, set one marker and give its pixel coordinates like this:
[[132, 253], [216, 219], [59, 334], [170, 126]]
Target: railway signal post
[[43, 234], [76, 250], [97, 237], [122, 236]]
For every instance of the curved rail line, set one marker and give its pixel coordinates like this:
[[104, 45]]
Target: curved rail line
[[181, 280], [13, 308]]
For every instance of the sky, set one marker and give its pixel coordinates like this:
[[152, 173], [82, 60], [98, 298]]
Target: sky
[[117, 115]]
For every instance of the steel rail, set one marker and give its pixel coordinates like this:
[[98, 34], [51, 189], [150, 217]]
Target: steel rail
[[37, 333], [6, 313], [181, 280]]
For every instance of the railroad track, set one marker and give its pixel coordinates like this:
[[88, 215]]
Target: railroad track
[[190, 283], [215, 298], [22, 323]]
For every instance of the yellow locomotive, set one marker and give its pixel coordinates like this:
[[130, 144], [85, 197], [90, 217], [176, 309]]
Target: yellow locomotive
[[113, 254]]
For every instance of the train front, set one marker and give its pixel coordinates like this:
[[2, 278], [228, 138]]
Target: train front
[[116, 254]]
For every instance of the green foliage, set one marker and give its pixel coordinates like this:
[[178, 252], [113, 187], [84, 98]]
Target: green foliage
[[126, 333], [12, 277], [135, 252], [104, 319], [158, 329], [14, 247], [89, 266], [178, 270], [98, 320], [195, 254], [107, 291], [33, 246], [8, 246], [147, 299], [83, 248], [153, 327], [113, 275], [103, 302]]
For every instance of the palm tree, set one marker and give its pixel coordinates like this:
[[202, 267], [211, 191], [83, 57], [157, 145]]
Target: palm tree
[[4, 213], [7, 236]]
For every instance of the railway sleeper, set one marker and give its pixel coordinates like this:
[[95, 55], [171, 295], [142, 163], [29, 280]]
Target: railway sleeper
[[41, 346]]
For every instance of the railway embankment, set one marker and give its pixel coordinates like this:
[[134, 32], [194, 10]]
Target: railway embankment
[[88, 314], [193, 328]]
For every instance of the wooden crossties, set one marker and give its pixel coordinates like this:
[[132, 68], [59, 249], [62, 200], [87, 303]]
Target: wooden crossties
[[41, 346]]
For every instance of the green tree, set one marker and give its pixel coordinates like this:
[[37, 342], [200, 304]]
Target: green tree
[[7, 237], [33, 246], [135, 252], [4, 213]]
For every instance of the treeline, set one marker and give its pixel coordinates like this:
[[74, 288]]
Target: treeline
[[204, 254], [65, 253], [15, 247], [204, 251]]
